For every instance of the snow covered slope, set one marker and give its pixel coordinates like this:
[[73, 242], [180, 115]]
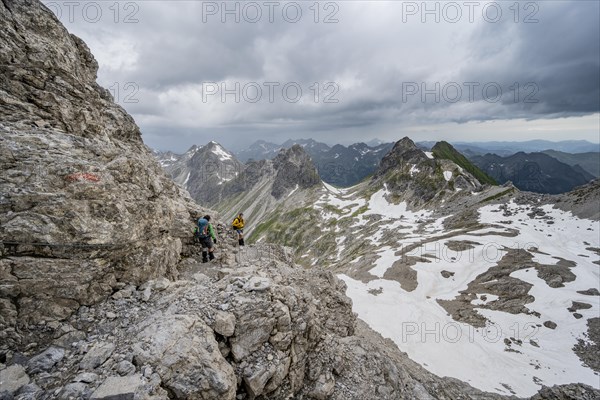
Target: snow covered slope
[[505, 303]]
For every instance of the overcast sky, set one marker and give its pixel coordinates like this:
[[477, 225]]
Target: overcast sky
[[347, 71]]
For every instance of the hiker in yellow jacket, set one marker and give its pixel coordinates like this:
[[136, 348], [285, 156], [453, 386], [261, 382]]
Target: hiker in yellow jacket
[[238, 226]]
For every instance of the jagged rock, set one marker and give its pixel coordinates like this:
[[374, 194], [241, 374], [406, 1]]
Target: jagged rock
[[76, 390], [125, 368], [323, 387], [294, 169], [572, 391], [203, 170], [186, 356], [13, 378], [257, 284], [254, 328], [76, 176], [119, 388], [46, 360], [256, 378], [224, 323], [86, 377], [97, 356], [30, 392]]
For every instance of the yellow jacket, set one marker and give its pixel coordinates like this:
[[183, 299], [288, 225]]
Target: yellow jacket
[[238, 223]]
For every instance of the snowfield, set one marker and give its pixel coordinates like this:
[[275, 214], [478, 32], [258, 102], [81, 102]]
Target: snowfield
[[513, 353]]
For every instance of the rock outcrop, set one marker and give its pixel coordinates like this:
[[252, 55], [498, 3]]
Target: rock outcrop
[[257, 327], [424, 180], [295, 170], [84, 206]]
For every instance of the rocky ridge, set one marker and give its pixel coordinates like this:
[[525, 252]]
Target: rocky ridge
[[250, 325], [84, 206]]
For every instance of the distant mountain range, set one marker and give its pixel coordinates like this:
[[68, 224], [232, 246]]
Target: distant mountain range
[[338, 165], [530, 146], [533, 172], [550, 171], [590, 161]]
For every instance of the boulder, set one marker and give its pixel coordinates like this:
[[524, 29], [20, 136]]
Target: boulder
[[184, 352], [118, 388], [13, 378]]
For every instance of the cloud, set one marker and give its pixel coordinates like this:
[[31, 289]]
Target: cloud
[[391, 71]]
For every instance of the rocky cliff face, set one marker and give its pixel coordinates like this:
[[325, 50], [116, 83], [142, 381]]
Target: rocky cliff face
[[84, 206], [295, 170]]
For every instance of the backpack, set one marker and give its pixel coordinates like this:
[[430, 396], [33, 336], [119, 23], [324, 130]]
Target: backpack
[[202, 229], [236, 221]]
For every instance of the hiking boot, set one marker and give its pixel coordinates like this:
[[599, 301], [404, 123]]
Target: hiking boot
[[211, 256], [242, 243], [205, 257]]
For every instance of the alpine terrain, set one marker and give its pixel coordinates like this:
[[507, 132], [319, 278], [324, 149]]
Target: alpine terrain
[[441, 260], [424, 281]]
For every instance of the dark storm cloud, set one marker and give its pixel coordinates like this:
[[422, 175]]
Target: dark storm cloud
[[375, 54]]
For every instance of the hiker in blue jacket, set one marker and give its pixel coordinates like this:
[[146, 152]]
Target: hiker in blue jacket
[[206, 235]]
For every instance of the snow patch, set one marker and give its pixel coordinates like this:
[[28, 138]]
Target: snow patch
[[221, 153]]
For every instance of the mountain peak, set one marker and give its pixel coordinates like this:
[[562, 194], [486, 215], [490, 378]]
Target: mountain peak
[[294, 169], [218, 150], [405, 151]]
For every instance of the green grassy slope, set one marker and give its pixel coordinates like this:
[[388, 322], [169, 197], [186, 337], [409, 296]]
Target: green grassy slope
[[444, 150]]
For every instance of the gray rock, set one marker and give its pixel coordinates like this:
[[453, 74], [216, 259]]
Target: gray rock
[[186, 356], [571, 391], [86, 377], [125, 368], [30, 392], [77, 176], [256, 379], [119, 388], [257, 284], [224, 323], [45, 360], [13, 378], [161, 284], [550, 324], [252, 331], [97, 356], [75, 391], [323, 387]]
